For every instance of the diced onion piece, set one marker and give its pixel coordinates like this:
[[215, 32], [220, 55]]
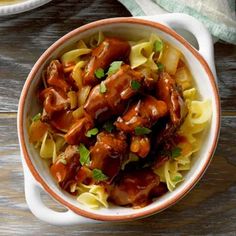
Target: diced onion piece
[[83, 94], [47, 147], [73, 99], [81, 44], [95, 40], [170, 59], [73, 187], [37, 130], [78, 113], [59, 141], [77, 73], [183, 78]]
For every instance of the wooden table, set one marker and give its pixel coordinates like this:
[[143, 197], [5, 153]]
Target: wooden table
[[210, 208]]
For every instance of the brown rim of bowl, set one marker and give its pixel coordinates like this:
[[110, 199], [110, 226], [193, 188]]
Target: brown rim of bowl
[[47, 54]]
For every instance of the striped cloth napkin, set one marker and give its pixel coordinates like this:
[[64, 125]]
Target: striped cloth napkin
[[217, 15]]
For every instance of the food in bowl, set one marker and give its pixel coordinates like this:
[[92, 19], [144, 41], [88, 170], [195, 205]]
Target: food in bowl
[[120, 120]]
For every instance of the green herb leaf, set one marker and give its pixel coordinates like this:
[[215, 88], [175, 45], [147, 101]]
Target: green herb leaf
[[98, 175], [108, 126], [160, 66], [84, 155], [175, 152], [91, 132], [135, 85], [36, 117], [158, 46], [103, 87], [99, 73], [142, 130], [178, 178], [114, 67]]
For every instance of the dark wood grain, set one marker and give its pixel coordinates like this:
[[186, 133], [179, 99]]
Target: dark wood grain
[[209, 209], [225, 60]]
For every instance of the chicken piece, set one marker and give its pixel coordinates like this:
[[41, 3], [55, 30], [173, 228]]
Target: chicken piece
[[168, 91], [136, 188], [54, 100], [144, 113], [108, 153], [111, 49], [140, 145], [101, 106], [55, 76], [76, 133]]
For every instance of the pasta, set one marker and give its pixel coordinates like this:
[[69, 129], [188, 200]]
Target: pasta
[[72, 57], [195, 122], [93, 196], [120, 120], [142, 53]]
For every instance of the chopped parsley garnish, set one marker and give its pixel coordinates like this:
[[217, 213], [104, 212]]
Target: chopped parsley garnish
[[142, 130], [91, 132], [98, 175], [160, 66], [103, 87], [114, 67], [135, 85], [158, 46], [99, 73], [175, 152], [108, 126], [84, 155], [36, 117]]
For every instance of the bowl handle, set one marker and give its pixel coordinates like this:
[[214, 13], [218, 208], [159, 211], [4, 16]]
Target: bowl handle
[[33, 198], [188, 23]]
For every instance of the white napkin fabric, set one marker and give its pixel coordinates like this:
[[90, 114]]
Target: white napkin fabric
[[217, 15]]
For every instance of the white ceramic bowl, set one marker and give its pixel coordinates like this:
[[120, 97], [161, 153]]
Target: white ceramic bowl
[[37, 176], [20, 6]]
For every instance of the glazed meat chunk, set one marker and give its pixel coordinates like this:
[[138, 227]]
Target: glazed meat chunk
[[108, 153], [168, 91], [136, 188], [54, 100], [111, 49], [101, 106], [144, 113], [55, 76], [77, 132], [66, 173]]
